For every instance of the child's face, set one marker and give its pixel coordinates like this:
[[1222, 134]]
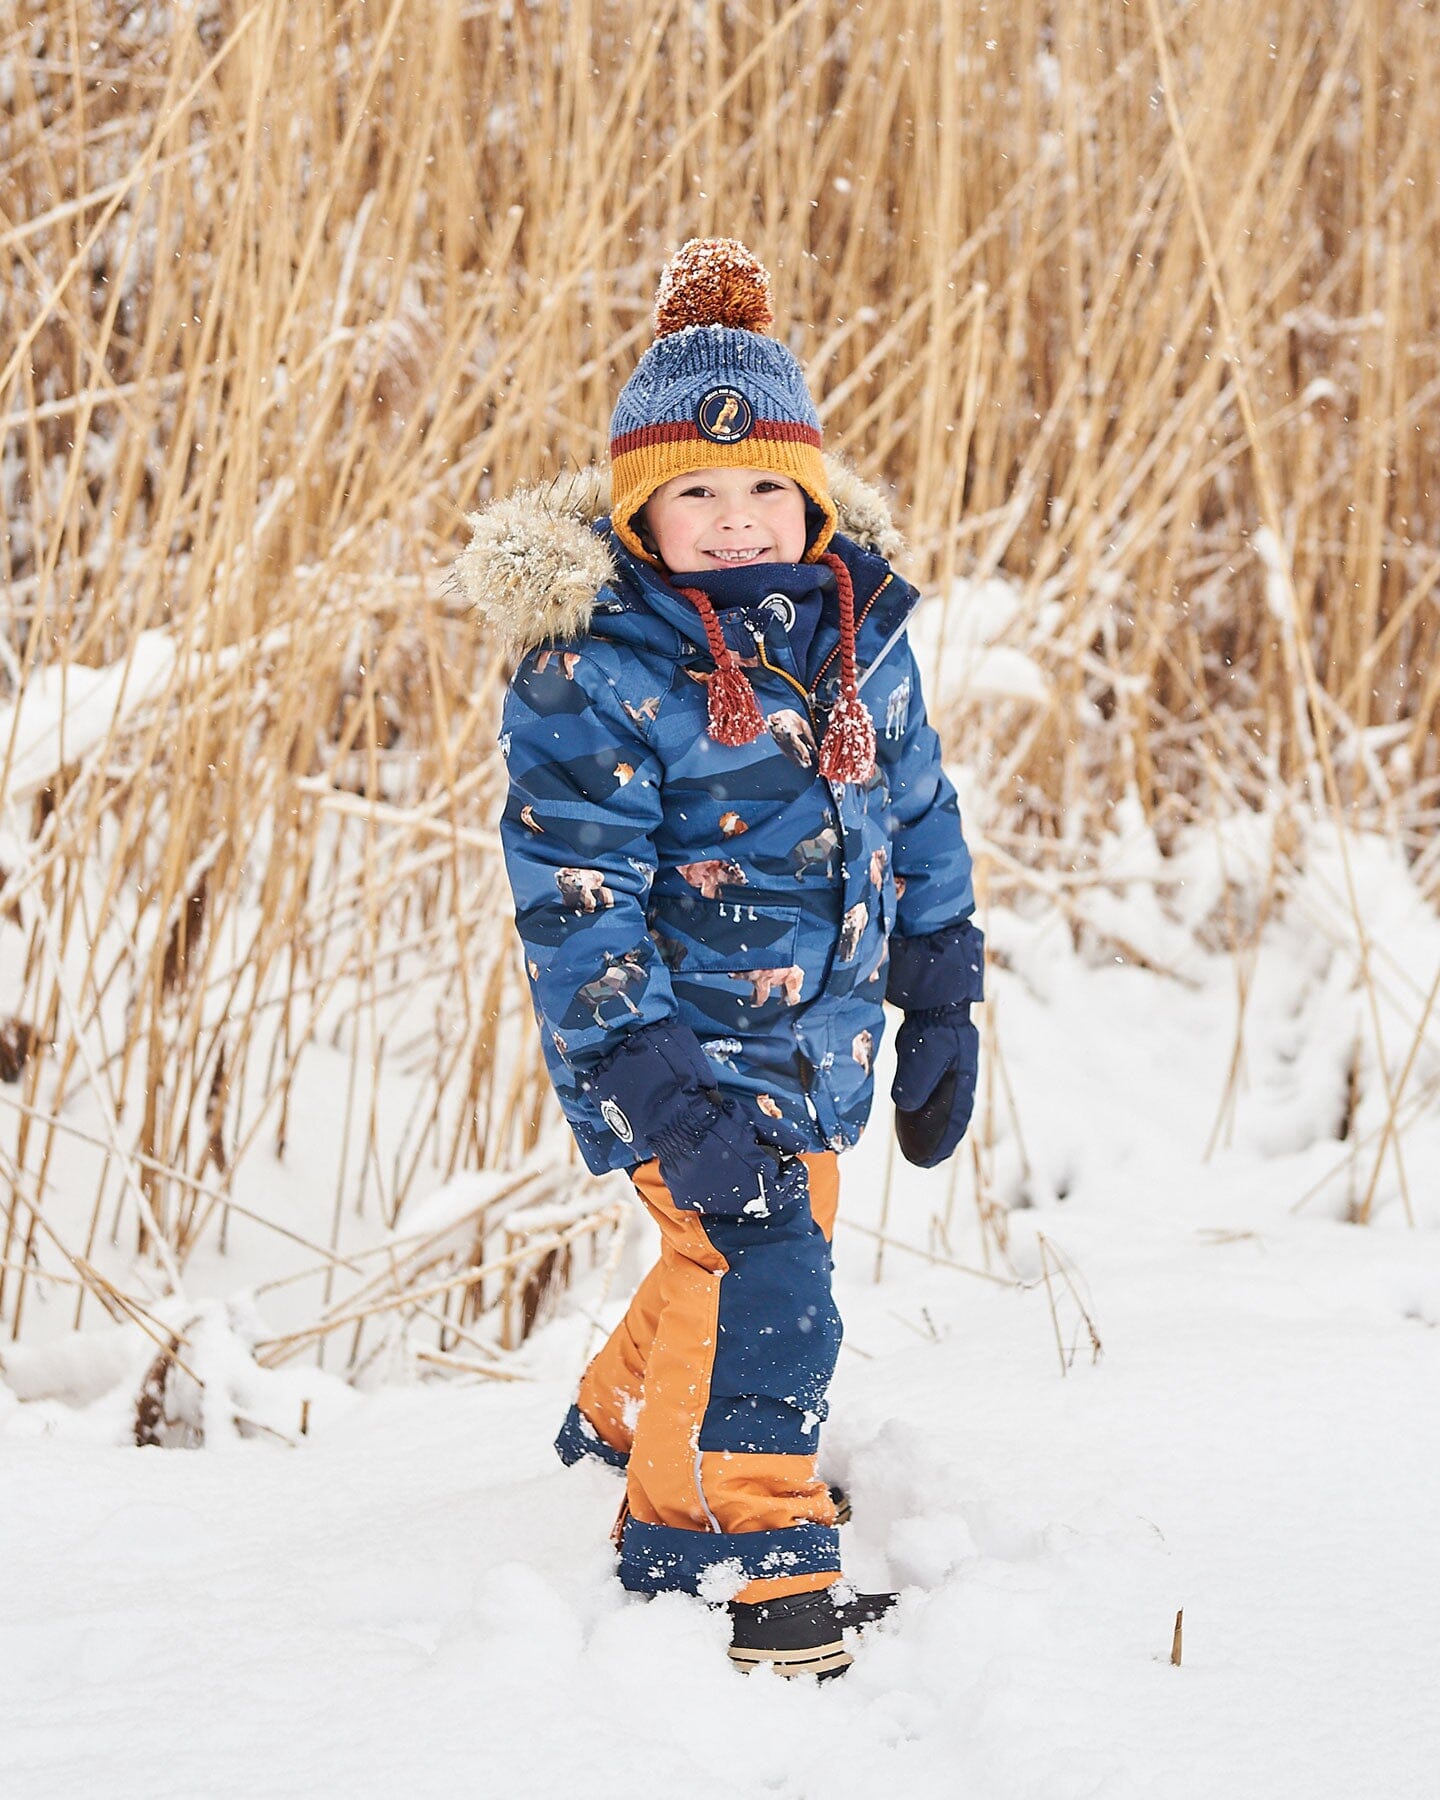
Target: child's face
[[726, 518]]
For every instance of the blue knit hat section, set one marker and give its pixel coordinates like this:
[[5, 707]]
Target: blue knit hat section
[[677, 373]]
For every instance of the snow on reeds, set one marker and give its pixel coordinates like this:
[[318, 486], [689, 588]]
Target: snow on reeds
[[1135, 308]]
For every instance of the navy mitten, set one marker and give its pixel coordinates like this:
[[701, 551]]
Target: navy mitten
[[657, 1092], [937, 1049], [937, 1058]]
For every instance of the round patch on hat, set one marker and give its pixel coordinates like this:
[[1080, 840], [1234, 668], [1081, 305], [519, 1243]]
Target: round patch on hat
[[725, 416]]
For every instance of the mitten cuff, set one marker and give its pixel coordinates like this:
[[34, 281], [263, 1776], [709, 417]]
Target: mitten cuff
[[958, 1013], [944, 968], [646, 1089]]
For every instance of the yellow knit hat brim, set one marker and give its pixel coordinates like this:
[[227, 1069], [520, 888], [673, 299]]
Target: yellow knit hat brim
[[636, 473]]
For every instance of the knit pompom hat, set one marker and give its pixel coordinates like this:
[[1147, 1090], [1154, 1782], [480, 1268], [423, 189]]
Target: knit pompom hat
[[713, 391]]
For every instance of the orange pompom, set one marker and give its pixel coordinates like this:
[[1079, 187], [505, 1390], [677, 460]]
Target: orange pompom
[[713, 281]]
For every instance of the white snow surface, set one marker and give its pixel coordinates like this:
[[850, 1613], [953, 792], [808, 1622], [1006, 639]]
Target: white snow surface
[[959, 648], [417, 1599], [66, 710]]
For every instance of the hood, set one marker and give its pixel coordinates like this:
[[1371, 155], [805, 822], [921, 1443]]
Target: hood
[[535, 563]]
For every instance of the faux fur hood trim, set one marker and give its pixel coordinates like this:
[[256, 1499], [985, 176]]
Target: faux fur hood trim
[[533, 565]]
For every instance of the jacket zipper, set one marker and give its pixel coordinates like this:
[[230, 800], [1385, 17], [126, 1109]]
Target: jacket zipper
[[789, 679]]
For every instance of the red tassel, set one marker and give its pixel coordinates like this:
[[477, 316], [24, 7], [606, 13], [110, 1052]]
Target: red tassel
[[847, 751], [735, 716]]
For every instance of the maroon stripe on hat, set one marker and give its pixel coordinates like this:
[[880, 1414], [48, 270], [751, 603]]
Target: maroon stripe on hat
[[674, 433], [680, 431], [785, 431]]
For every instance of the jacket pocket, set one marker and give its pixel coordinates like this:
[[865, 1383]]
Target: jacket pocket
[[700, 936]]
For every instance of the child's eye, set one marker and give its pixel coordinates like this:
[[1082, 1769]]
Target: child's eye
[[769, 487]]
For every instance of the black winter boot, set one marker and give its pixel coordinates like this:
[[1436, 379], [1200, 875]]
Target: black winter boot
[[856, 1611], [801, 1634]]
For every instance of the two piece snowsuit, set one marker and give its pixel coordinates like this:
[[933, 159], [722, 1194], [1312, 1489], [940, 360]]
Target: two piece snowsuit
[[664, 882]]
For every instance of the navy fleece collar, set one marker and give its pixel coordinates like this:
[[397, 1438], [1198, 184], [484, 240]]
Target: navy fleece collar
[[747, 588]]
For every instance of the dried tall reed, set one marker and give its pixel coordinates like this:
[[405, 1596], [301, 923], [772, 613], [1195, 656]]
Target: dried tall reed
[[1134, 304]]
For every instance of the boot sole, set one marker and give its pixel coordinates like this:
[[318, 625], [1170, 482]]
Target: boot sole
[[819, 1659]]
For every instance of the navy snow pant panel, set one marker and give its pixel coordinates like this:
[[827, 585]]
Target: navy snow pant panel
[[712, 1390]]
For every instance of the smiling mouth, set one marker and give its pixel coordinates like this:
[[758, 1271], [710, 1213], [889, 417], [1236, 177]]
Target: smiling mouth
[[737, 556]]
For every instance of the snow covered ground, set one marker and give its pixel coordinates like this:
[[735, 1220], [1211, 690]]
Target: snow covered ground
[[416, 1599]]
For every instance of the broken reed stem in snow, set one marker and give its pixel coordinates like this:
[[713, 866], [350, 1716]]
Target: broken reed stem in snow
[[930, 1256], [1050, 1297], [1410, 1110], [1063, 1267], [1098, 349], [275, 1350], [226, 1201], [1392, 1112], [491, 1371]]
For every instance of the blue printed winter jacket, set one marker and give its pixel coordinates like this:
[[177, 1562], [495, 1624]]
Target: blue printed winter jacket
[[662, 877]]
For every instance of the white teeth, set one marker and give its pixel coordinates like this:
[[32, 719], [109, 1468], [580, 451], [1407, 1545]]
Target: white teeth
[[733, 555]]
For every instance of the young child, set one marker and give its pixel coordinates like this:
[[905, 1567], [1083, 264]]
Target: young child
[[729, 838]]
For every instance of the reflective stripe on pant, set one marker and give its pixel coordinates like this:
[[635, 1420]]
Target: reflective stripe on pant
[[714, 1387]]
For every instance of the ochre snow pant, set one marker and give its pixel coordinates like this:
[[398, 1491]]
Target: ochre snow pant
[[711, 1391]]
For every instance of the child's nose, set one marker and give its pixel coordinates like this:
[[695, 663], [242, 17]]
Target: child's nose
[[735, 515]]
